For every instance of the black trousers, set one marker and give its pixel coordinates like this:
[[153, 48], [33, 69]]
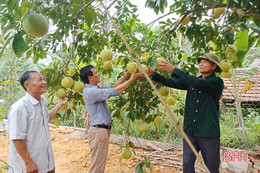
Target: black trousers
[[210, 150]]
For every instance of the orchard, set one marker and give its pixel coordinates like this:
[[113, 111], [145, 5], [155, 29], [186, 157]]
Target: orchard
[[49, 35]]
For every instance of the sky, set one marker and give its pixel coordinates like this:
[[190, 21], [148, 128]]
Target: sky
[[147, 15]]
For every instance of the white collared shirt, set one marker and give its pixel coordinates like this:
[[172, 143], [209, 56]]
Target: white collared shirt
[[28, 120]]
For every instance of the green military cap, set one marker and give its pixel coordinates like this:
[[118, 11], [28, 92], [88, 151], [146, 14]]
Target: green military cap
[[213, 58]]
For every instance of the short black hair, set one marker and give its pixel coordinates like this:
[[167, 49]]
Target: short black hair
[[24, 77], [85, 72]]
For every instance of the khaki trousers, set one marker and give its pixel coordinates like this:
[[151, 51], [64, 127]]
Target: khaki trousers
[[98, 140], [52, 171]]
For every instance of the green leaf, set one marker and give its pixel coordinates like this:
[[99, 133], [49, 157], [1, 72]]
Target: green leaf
[[18, 45], [5, 45], [139, 169], [242, 41], [7, 82], [257, 21], [90, 15], [241, 55], [131, 144], [11, 5], [56, 121], [132, 115], [153, 63], [68, 114], [230, 38], [35, 58], [251, 72], [184, 57]]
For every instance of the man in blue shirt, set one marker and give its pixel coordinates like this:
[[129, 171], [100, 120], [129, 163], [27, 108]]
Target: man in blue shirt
[[100, 119]]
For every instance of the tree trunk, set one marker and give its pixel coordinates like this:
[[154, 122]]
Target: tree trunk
[[238, 107]]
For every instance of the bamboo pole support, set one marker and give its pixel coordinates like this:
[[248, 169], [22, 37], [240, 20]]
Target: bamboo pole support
[[156, 91]]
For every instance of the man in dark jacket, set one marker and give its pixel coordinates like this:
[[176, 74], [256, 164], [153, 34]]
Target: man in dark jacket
[[201, 119]]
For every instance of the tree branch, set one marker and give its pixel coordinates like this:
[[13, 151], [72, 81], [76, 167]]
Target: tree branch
[[168, 35], [186, 14], [80, 11]]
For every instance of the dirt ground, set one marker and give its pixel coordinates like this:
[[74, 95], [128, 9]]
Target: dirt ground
[[72, 156]]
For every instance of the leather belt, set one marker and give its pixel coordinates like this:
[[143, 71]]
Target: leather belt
[[102, 126]]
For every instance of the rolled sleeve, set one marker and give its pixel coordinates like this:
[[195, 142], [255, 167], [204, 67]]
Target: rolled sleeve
[[17, 122]]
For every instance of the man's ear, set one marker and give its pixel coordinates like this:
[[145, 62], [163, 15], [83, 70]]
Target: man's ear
[[214, 66], [26, 85], [90, 78]]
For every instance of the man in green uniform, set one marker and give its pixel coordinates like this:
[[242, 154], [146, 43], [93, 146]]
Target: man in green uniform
[[201, 119]]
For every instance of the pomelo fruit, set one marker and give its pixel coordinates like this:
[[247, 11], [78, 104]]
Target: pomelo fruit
[[107, 65], [231, 49], [106, 55], [185, 21], [164, 91], [157, 120], [131, 67], [78, 87], [65, 106], [226, 74], [67, 82], [61, 93], [159, 60], [35, 25], [217, 12], [126, 154], [225, 65], [165, 97], [143, 127], [170, 100], [144, 67]]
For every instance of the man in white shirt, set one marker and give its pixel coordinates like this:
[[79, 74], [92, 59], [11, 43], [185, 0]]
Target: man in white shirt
[[30, 147]]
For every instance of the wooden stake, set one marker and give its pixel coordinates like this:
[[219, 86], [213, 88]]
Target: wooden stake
[[156, 91]]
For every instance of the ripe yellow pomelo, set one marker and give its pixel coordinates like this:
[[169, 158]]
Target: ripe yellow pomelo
[[170, 100], [131, 66], [65, 106], [78, 87], [159, 61], [185, 21], [164, 91], [126, 154], [143, 127], [67, 82], [106, 55], [157, 120], [61, 93], [35, 25], [217, 12], [107, 65], [144, 67], [165, 97], [226, 74], [231, 49], [225, 65]]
